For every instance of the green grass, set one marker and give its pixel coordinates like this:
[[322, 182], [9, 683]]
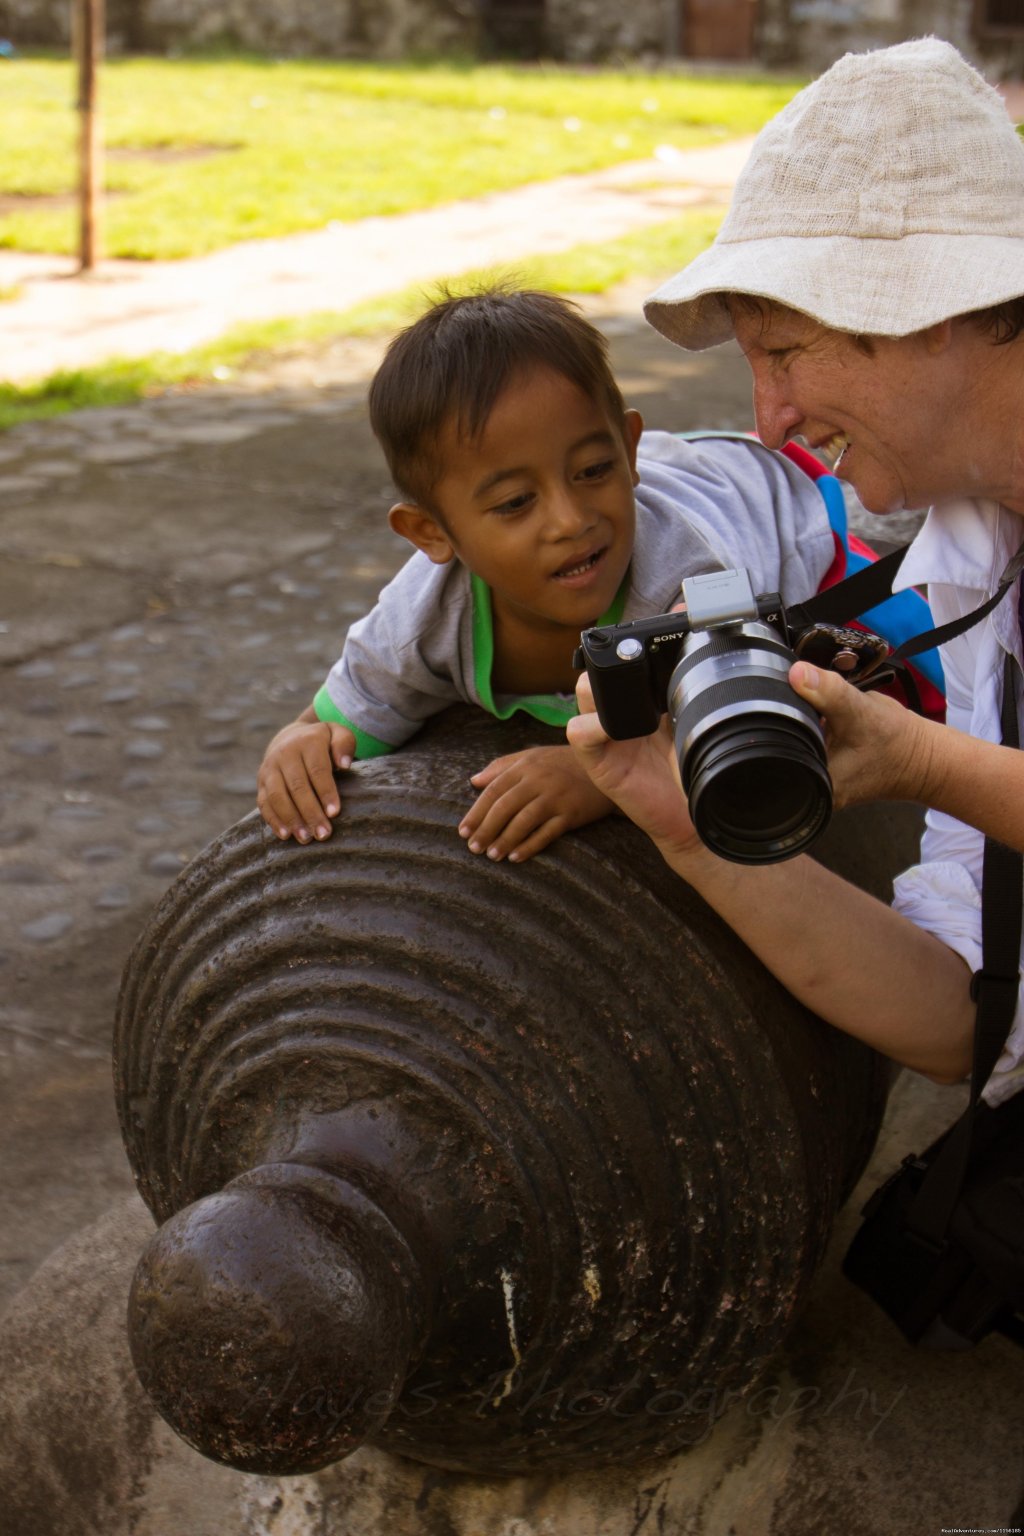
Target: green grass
[[651, 254], [300, 143]]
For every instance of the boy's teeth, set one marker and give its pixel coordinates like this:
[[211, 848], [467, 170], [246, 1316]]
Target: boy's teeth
[[577, 570], [836, 446]]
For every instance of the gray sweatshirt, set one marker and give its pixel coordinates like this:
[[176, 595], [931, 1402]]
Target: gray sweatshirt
[[703, 504]]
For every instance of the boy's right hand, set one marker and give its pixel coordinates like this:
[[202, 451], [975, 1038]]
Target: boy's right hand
[[296, 792]]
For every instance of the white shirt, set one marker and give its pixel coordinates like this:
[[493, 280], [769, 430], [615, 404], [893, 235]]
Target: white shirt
[[960, 553]]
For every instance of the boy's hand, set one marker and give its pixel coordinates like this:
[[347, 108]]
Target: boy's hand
[[296, 792], [529, 798]]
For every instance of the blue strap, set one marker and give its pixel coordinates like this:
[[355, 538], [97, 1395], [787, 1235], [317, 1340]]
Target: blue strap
[[901, 616]]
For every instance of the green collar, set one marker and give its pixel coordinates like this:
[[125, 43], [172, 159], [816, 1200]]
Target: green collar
[[549, 708]]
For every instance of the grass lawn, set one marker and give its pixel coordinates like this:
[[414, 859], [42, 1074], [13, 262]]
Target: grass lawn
[[206, 152], [651, 254]]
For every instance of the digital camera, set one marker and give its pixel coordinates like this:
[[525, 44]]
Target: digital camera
[[751, 750]]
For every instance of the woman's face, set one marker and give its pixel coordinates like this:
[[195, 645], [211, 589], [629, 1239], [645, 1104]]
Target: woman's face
[[880, 410]]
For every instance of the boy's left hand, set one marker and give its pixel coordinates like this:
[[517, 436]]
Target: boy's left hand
[[529, 799]]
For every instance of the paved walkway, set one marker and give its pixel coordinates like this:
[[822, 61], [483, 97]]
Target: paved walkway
[[130, 308]]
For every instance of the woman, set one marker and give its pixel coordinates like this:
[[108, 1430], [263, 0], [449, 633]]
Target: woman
[[871, 267]]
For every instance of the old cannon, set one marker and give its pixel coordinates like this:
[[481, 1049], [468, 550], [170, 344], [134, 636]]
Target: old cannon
[[500, 1168]]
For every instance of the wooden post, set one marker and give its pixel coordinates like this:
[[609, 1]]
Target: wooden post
[[87, 32]]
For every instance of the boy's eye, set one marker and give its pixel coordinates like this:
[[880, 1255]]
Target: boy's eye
[[514, 504], [598, 471]]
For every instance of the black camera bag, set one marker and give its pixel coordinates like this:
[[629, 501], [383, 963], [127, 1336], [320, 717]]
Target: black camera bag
[[951, 1294], [941, 1247]]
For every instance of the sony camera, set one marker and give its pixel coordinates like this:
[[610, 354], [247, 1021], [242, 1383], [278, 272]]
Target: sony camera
[[751, 750]]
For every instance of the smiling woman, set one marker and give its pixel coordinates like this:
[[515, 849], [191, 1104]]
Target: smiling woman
[[878, 309], [836, 391]]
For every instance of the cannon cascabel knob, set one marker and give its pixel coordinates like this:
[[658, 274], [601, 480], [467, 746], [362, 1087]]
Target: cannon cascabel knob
[[274, 1321], [611, 1144]]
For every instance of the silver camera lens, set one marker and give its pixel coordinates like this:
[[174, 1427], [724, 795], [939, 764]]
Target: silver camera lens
[[751, 752]]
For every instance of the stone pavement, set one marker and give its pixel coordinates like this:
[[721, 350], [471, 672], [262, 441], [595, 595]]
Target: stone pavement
[[175, 578], [131, 308]]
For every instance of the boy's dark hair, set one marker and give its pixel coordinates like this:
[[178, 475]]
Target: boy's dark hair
[[454, 361]]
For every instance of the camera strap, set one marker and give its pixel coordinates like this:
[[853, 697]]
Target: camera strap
[[872, 585], [994, 989]]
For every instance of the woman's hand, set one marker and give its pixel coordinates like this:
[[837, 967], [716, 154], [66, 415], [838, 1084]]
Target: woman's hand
[[640, 776], [877, 749]]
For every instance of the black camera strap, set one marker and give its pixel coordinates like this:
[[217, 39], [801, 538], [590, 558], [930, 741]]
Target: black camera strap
[[872, 584], [994, 988], [839, 604]]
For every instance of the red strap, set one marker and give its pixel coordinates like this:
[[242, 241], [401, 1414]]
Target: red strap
[[837, 570], [804, 459]]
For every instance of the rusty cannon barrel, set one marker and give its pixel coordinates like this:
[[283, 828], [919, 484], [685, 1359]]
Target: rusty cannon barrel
[[500, 1168]]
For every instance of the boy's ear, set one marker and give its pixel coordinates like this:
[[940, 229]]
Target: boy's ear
[[633, 425], [417, 525]]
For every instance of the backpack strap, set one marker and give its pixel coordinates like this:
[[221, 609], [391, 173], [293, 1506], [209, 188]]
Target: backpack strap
[[872, 584], [895, 616]]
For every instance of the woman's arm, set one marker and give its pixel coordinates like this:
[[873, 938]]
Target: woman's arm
[[851, 959]]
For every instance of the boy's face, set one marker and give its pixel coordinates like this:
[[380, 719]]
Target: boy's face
[[540, 506]]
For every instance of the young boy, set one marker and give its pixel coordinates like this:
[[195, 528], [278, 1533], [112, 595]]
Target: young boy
[[537, 506]]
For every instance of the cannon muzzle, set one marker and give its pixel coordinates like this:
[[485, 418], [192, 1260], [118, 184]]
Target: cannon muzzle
[[275, 1322]]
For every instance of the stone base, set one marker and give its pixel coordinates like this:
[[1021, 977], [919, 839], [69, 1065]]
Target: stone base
[[852, 1431]]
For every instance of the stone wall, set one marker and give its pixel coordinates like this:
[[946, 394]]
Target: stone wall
[[811, 34], [585, 31], [376, 28], [35, 21], [47, 23], [332, 28], [805, 35]]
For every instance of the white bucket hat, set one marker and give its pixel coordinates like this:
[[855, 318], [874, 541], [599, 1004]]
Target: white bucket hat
[[888, 195]]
